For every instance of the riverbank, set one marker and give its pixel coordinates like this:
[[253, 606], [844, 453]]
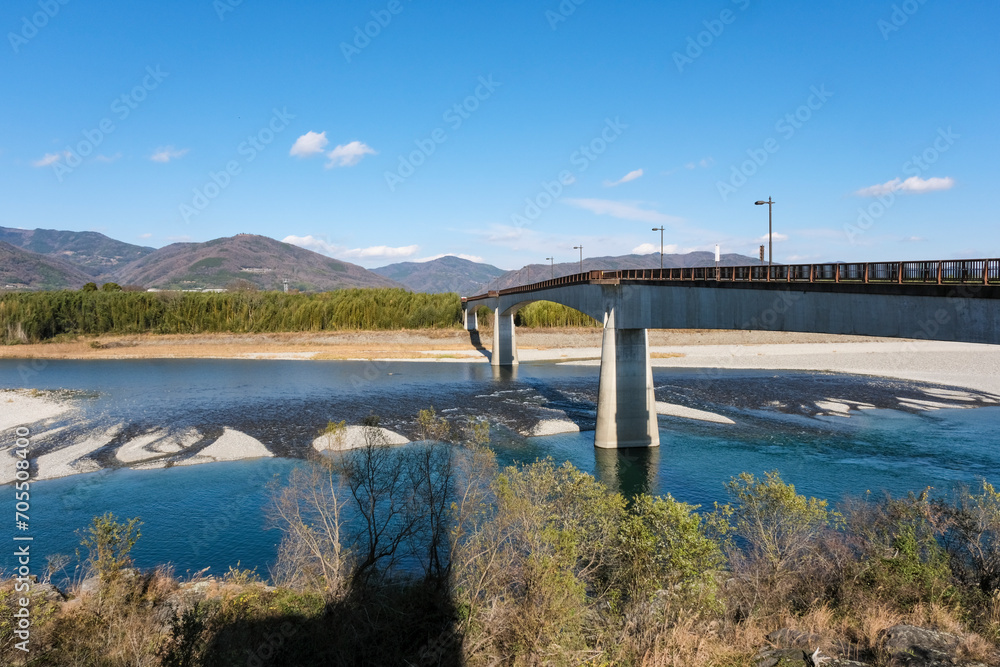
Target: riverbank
[[963, 365]]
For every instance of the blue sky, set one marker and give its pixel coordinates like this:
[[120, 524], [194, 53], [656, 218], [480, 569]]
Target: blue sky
[[508, 132]]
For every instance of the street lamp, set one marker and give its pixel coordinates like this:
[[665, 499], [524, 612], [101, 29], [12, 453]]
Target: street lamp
[[660, 229], [580, 248], [770, 238], [552, 265]]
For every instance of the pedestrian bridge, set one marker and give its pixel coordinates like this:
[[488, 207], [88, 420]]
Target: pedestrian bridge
[[951, 300]]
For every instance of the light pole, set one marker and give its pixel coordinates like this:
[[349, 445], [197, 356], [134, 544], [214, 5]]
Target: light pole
[[580, 248], [660, 229], [552, 266], [770, 238]]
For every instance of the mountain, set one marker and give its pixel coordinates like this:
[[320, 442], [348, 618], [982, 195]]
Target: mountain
[[93, 253], [445, 274], [263, 261], [538, 272], [24, 270]]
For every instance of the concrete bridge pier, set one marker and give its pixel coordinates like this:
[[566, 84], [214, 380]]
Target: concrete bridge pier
[[504, 343], [470, 319], [626, 405]]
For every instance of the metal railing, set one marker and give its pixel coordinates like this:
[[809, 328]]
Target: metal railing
[[941, 272]]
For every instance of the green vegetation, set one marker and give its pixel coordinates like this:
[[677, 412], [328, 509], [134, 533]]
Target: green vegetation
[[39, 316], [542, 314], [430, 554]]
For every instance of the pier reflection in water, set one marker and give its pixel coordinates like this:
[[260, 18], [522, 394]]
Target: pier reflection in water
[[630, 472]]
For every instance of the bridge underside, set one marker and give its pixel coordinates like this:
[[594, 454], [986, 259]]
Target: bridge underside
[[626, 408]]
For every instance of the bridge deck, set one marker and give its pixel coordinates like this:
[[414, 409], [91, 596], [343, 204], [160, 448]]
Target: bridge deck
[[934, 278]]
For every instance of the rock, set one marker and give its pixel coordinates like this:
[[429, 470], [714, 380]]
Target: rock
[[49, 592], [919, 647], [90, 585], [789, 638], [783, 657]]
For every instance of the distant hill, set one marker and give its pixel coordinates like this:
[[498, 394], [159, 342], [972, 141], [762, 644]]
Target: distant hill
[[24, 270], [538, 272], [445, 274], [93, 253], [261, 260]]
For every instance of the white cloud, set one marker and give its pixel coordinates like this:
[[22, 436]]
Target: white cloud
[[310, 143], [631, 176], [108, 158], [914, 239], [471, 258], [324, 247], [147, 235], [775, 237], [168, 153], [348, 155], [622, 210], [48, 159], [310, 242], [649, 248], [383, 252], [913, 185]]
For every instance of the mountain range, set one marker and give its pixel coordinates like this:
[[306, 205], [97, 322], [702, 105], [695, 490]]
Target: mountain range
[[42, 259]]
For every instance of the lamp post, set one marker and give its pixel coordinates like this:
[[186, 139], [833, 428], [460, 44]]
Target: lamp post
[[580, 248], [552, 266], [660, 229], [770, 238]]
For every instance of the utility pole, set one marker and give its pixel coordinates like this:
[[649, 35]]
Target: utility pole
[[660, 229], [552, 266], [580, 248], [770, 237]]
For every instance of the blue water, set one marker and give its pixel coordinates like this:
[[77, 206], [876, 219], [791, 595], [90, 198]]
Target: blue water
[[214, 515]]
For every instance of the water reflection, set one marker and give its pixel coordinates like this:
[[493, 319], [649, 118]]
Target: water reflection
[[628, 471], [504, 373]]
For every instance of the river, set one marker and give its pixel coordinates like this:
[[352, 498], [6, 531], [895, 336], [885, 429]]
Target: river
[[829, 434]]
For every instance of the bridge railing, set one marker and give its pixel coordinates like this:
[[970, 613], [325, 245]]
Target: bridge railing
[[935, 272]]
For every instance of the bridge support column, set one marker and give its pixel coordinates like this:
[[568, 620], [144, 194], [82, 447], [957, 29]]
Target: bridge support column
[[626, 406], [504, 343], [470, 319]]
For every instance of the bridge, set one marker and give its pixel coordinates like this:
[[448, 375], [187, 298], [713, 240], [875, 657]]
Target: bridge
[[949, 300]]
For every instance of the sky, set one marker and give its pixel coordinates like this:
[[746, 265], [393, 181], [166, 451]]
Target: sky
[[381, 131]]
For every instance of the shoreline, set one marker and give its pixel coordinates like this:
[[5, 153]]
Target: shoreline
[[966, 365]]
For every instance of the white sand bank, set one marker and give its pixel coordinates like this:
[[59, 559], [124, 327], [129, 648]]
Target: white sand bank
[[353, 437], [965, 365], [70, 460], [232, 445], [155, 444], [18, 407], [690, 413], [552, 427]]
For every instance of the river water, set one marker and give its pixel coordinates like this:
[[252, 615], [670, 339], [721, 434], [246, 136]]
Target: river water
[[214, 515]]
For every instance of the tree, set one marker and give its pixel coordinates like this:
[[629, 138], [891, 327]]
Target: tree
[[111, 287], [109, 545], [89, 287]]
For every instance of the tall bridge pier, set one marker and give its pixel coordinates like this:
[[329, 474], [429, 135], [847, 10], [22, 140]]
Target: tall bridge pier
[[626, 407]]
